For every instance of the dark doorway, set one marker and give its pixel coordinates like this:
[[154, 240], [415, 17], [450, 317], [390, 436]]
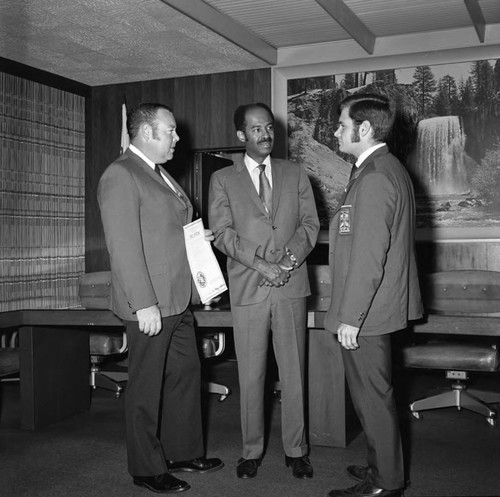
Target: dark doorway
[[204, 164]]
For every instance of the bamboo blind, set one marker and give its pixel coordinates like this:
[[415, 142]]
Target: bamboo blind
[[42, 195]]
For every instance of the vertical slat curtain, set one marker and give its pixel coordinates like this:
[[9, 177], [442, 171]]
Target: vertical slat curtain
[[42, 195]]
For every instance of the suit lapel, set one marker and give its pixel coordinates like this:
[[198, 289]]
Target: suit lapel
[[181, 197], [144, 167], [179, 193], [277, 174], [344, 196], [248, 186]]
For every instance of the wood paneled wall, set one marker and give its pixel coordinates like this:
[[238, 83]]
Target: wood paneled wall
[[203, 107], [441, 256], [433, 257]]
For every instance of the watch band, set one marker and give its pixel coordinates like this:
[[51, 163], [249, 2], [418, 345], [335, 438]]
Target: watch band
[[291, 256]]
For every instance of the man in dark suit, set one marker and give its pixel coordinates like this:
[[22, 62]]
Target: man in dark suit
[[267, 240], [375, 289], [143, 212]]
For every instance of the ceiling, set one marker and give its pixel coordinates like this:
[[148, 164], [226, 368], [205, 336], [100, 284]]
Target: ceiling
[[99, 42]]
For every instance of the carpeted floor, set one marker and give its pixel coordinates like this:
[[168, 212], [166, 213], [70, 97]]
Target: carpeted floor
[[448, 452]]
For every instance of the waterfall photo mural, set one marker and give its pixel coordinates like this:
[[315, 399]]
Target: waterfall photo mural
[[446, 133]]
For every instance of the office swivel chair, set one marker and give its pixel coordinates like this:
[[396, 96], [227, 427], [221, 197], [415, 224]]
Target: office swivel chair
[[213, 344], [9, 357], [468, 293], [95, 293], [106, 344]]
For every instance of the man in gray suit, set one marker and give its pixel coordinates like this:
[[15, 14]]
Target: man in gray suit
[[263, 216], [375, 288], [143, 211]]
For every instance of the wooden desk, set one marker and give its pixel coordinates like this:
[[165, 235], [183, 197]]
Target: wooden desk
[[332, 420], [55, 364], [55, 358], [487, 325], [54, 361]]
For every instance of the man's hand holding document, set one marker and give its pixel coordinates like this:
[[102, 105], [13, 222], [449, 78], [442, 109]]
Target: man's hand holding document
[[205, 269]]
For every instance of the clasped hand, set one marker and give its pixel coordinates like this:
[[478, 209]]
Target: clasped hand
[[273, 273]]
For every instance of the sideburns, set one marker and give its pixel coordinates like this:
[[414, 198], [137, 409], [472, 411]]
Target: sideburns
[[355, 134], [155, 131]]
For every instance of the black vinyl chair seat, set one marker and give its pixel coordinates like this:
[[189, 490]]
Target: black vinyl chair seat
[[103, 343], [450, 355], [471, 293], [9, 361], [95, 293]]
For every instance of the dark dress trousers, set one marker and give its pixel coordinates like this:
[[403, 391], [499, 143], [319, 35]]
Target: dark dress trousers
[[375, 287], [143, 221], [243, 229]]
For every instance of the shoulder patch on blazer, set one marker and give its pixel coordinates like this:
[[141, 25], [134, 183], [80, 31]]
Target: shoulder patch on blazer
[[345, 220]]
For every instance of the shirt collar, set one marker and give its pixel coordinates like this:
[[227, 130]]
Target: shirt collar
[[252, 164], [368, 152], [136, 151]]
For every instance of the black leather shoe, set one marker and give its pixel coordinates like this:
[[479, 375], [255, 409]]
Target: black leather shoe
[[366, 489], [199, 465], [163, 484], [358, 473], [247, 468], [301, 466]]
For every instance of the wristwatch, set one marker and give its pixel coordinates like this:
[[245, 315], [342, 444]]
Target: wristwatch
[[291, 256]]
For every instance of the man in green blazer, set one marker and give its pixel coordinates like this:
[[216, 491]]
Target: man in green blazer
[[143, 211], [375, 288], [263, 216]]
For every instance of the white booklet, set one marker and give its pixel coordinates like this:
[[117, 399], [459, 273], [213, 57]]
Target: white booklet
[[205, 269]]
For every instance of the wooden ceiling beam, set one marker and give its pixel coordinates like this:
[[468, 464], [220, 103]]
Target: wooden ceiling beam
[[476, 15], [224, 26], [344, 16]]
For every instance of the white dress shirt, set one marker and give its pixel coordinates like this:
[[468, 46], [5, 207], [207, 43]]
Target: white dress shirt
[[252, 167]]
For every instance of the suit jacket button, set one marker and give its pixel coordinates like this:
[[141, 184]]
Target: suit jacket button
[[275, 227], [272, 251]]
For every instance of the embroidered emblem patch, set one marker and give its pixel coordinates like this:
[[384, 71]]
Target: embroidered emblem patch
[[345, 220]]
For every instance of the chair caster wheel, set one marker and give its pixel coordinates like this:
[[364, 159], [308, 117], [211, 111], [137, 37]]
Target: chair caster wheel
[[416, 415], [492, 422]]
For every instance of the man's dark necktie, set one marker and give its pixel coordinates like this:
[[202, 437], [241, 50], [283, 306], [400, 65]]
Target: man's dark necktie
[[158, 172], [353, 172], [265, 191], [171, 186]]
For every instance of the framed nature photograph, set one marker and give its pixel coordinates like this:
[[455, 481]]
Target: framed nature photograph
[[446, 133]]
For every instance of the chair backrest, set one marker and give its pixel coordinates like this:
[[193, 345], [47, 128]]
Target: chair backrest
[[95, 290], [458, 291], [9, 353], [462, 292], [321, 288], [95, 293]]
